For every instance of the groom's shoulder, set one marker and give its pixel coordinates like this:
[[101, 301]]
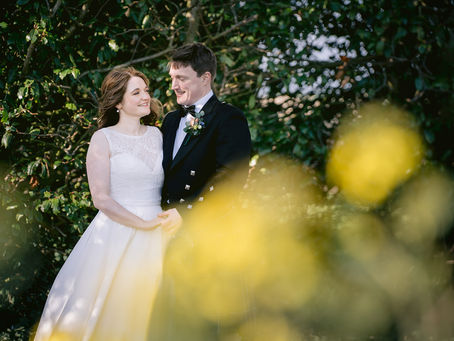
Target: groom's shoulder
[[171, 114], [230, 109]]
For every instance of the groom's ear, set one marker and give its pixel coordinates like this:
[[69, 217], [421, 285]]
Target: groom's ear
[[206, 77]]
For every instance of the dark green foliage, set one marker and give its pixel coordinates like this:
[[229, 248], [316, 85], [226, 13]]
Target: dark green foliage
[[54, 55]]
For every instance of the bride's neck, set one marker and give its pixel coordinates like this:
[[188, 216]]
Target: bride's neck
[[130, 126]]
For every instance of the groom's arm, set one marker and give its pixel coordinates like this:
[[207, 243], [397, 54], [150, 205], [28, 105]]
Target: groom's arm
[[233, 149]]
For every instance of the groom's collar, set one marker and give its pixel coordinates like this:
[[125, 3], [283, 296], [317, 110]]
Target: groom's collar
[[201, 102]]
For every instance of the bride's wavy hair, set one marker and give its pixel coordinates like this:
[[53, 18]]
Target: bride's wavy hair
[[113, 89]]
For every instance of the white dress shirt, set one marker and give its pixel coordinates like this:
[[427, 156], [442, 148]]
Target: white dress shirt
[[179, 137]]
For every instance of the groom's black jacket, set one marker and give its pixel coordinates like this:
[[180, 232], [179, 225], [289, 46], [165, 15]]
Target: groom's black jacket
[[222, 149]]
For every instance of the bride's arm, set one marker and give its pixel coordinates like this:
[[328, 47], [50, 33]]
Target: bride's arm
[[98, 172]]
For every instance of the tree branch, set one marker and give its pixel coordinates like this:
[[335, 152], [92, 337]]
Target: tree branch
[[375, 60], [40, 135], [134, 61], [55, 9], [193, 20], [28, 58], [234, 27], [72, 29]]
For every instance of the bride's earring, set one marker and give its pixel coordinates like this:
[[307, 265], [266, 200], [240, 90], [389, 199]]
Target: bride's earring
[[118, 111]]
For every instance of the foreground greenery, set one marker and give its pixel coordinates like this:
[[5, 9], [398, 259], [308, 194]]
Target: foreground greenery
[[294, 67]]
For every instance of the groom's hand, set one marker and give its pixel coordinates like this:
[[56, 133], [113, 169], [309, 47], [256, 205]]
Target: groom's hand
[[171, 220]]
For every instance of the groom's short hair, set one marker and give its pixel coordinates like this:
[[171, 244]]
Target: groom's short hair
[[196, 55]]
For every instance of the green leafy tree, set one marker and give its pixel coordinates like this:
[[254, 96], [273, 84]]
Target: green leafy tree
[[294, 67]]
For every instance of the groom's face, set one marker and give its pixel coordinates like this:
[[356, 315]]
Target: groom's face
[[188, 87]]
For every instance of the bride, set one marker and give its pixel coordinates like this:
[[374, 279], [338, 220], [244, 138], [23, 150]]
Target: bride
[[107, 286]]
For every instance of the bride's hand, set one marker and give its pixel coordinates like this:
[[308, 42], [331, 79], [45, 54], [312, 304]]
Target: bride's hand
[[170, 220], [150, 224]]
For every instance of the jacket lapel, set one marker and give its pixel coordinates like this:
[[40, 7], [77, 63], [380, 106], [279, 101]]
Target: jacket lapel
[[170, 140], [190, 141]]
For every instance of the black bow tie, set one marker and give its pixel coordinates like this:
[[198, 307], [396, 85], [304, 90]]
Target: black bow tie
[[187, 110]]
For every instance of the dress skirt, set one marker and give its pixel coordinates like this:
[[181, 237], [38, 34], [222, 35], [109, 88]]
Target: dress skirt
[[107, 286]]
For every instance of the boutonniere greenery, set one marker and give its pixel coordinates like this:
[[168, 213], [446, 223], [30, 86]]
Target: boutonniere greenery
[[195, 126]]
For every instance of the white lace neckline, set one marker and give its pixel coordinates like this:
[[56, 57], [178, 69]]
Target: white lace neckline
[[127, 135], [146, 147]]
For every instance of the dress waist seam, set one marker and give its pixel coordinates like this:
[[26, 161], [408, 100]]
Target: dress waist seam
[[140, 203]]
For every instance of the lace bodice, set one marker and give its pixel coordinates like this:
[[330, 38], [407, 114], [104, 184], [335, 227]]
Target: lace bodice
[[136, 174]]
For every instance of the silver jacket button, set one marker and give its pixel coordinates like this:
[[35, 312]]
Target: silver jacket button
[[187, 187], [192, 173]]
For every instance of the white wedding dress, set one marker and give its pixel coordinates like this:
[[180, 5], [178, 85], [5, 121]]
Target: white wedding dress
[[107, 286]]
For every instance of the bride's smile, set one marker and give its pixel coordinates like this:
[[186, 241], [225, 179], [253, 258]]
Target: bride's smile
[[136, 100]]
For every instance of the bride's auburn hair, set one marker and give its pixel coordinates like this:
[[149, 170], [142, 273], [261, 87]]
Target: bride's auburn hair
[[113, 89]]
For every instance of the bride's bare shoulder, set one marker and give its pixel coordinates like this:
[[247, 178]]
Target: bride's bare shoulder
[[99, 138]]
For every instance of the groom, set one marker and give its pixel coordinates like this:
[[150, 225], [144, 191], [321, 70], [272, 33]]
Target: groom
[[205, 141]]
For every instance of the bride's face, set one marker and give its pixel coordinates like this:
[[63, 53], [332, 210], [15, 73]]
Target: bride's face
[[136, 100]]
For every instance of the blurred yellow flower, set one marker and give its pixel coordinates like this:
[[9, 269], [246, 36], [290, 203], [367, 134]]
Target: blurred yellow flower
[[424, 208], [373, 153]]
